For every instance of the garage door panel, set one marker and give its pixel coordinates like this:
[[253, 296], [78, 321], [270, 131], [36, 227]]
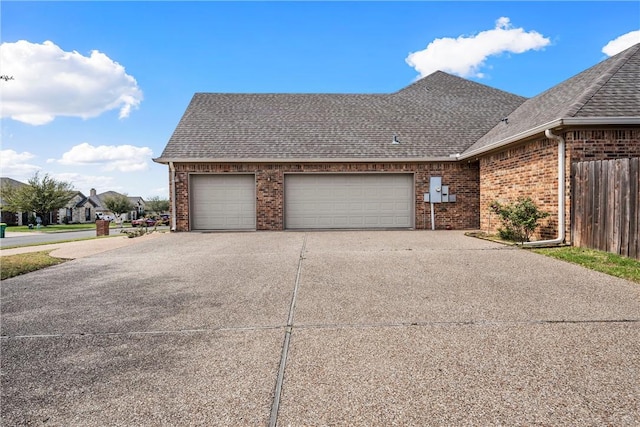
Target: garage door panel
[[223, 202], [349, 201]]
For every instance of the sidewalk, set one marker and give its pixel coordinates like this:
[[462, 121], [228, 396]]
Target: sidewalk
[[81, 248]]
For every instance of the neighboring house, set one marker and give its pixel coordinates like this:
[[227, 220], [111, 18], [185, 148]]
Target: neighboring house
[[21, 218], [138, 208], [101, 209], [303, 161], [11, 218], [79, 209]]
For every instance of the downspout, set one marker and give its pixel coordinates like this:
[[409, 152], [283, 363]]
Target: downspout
[[173, 196], [561, 195]]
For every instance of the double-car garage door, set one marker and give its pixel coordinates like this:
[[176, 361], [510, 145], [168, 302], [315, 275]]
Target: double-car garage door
[[311, 201], [348, 201]]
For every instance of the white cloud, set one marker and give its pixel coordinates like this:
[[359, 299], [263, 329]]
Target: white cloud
[[621, 43], [15, 165], [85, 183], [464, 56], [123, 158], [50, 82]]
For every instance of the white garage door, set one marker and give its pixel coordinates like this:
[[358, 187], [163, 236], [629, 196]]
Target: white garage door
[[349, 201], [223, 202]]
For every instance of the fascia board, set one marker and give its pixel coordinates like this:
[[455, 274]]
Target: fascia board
[[166, 160], [569, 121]]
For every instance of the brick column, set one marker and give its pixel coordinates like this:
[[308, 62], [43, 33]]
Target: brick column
[[102, 228]]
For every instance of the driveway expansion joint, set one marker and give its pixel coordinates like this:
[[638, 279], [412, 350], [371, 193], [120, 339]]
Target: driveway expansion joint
[[288, 329], [275, 405], [458, 323]]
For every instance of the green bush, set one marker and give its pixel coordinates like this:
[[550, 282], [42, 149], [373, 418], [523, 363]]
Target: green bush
[[136, 232], [519, 220]]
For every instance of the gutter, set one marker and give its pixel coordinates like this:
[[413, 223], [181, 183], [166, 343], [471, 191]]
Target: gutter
[[173, 196], [561, 193], [569, 121]]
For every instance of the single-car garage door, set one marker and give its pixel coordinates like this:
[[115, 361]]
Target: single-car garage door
[[333, 201], [223, 202]]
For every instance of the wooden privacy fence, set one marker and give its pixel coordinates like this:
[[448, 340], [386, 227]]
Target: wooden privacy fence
[[605, 210]]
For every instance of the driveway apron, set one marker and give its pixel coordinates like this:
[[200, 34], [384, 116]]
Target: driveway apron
[[319, 328]]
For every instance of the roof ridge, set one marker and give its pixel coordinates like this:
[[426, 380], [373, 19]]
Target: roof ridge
[[438, 74], [617, 62]]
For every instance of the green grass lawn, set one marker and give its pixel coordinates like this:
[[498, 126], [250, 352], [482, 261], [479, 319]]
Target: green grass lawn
[[605, 262], [14, 265]]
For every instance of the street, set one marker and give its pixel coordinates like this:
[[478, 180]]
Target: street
[[35, 237]]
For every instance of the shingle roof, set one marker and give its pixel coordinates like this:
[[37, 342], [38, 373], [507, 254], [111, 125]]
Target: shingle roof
[[86, 200], [608, 89], [436, 116], [97, 203], [98, 200], [10, 182]]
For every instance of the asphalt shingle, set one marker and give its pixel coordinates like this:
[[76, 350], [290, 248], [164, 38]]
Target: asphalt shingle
[[437, 116], [608, 89]]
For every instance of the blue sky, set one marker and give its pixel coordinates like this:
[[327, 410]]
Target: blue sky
[[96, 102]]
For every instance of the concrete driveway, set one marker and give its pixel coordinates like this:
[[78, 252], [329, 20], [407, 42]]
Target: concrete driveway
[[323, 328]]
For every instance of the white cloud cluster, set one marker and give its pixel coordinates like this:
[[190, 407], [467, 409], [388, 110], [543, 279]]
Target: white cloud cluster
[[16, 165], [464, 56], [123, 158], [621, 43], [50, 82]]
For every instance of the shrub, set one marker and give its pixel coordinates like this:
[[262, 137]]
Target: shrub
[[135, 232], [519, 220]]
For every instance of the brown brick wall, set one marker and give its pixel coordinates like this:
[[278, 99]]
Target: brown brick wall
[[530, 170], [462, 179], [585, 145]]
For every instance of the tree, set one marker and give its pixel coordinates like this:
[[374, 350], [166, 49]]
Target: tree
[[39, 195], [157, 205], [118, 204]]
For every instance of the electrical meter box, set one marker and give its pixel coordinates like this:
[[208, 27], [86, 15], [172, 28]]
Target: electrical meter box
[[445, 194], [435, 189]]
